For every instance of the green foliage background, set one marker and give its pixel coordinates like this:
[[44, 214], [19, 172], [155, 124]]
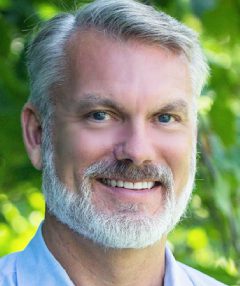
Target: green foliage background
[[209, 239]]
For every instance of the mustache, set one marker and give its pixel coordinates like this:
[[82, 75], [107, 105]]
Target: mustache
[[126, 170]]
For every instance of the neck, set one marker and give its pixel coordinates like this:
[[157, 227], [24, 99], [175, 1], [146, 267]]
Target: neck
[[88, 264]]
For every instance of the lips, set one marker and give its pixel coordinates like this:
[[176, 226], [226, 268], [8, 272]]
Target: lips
[[140, 185]]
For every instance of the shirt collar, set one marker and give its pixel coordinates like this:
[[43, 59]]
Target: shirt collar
[[174, 274], [36, 262]]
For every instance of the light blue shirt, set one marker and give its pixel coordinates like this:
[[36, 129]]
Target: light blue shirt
[[36, 266]]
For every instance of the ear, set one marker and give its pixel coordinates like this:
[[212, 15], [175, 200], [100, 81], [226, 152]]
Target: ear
[[32, 134]]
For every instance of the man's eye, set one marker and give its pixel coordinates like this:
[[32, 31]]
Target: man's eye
[[165, 118], [99, 115]]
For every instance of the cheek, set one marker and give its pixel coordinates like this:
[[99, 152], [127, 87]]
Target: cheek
[[178, 151], [75, 151], [77, 148]]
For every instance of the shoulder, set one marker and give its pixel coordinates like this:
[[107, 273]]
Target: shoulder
[[8, 271], [198, 278]]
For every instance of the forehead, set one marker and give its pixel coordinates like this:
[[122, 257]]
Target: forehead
[[99, 63]]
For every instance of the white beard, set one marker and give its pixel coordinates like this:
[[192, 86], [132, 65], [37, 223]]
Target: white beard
[[124, 228]]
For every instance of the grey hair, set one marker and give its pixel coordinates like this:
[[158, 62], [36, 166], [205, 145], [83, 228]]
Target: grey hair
[[122, 19]]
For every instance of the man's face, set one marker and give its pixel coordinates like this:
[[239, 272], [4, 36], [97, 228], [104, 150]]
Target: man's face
[[128, 106]]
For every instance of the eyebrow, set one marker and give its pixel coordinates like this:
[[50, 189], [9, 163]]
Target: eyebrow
[[179, 105], [93, 100]]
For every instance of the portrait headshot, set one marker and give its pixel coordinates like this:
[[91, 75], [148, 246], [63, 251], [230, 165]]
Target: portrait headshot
[[127, 178]]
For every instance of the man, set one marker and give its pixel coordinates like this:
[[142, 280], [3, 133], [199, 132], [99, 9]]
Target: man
[[111, 122]]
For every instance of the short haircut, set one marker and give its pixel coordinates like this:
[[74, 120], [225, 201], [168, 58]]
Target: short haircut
[[122, 19]]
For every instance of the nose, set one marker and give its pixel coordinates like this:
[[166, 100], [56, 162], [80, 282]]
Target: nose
[[135, 146]]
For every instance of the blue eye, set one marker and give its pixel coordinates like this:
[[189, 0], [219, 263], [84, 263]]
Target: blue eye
[[99, 115], [165, 118]]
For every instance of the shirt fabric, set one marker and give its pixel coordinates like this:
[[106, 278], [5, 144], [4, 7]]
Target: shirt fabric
[[36, 266]]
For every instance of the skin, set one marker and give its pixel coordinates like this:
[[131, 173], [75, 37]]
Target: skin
[[137, 86]]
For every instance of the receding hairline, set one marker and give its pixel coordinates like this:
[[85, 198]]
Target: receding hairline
[[121, 20], [77, 43], [80, 34]]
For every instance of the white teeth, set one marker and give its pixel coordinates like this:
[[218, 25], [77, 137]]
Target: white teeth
[[150, 185], [145, 185], [138, 186], [129, 185], [120, 184], [113, 183]]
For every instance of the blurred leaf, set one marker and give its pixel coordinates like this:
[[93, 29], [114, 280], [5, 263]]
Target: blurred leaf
[[5, 37], [46, 10], [218, 23], [197, 238], [223, 121], [4, 4]]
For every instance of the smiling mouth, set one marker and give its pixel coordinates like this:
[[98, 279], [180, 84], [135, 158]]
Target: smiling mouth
[[143, 185]]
